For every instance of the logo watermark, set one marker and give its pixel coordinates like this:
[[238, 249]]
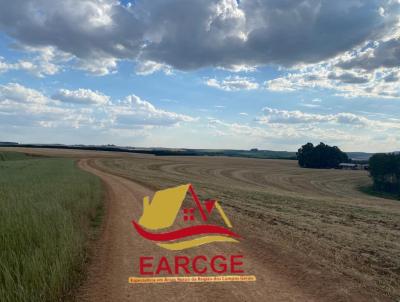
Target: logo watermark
[[162, 213]]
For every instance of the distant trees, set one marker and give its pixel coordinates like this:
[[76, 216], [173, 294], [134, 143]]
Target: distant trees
[[385, 172], [320, 156]]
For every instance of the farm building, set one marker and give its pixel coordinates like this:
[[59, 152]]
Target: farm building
[[349, 166]]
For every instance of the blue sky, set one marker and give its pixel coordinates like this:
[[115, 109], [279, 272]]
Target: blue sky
[[201, 74]]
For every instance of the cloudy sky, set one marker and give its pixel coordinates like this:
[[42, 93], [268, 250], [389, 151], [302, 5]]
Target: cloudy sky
[[271, 74]]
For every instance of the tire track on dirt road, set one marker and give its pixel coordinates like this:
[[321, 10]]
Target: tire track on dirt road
[[117, 251]]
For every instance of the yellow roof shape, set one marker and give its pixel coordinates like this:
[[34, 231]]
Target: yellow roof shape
[[164, 207]]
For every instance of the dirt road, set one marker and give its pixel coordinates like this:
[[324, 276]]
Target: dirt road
[[117, 253]]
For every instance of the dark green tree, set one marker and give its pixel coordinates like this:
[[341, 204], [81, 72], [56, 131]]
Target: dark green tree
[[385, 172], [320, 156]]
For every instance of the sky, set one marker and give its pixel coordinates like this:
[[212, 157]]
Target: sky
[[267, 74]]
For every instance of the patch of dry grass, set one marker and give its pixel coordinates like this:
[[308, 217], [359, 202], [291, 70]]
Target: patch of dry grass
[[316, 215]]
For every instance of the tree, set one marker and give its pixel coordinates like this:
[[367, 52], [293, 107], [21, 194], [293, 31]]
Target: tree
[[385, 172], [320, 156]]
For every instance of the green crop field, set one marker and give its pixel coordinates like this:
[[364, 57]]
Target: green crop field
[[6, 156], [48, 210]]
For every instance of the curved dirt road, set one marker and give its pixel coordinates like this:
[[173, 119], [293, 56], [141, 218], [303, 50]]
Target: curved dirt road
[[117, 253]]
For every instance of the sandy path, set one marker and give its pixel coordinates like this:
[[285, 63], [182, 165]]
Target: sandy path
[[118, 250]]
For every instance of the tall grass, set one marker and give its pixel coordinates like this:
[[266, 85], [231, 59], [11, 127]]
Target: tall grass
[[46, 210]]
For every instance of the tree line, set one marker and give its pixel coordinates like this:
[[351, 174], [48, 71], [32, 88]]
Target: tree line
[[384, 167], [385, 172], [321, 156]]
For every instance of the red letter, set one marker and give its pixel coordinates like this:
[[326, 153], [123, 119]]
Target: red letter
[[194, 265], [222, 265], [183, 265], [234, 263], [163, 265], [143, 265]]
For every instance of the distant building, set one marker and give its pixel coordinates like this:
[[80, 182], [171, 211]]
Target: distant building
[[349, 166]]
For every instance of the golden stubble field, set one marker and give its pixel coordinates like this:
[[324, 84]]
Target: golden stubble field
[[313, 226]]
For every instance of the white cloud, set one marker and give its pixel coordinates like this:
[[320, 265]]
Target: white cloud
[[234, 83], [282, 134], [98, 65], [14, 92], [133, 111], [20, 105], [24, 106], [240, 68], [134, 117], [381, 83], [39, 61], [348, 131], [38, 69], [277, 116], [4, 66], [150, 67], [47, 61], [312, 105], [371, 70], [81, 96]]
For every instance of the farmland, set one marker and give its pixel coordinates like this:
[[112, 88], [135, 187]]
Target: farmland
[[318, 217], [47, 208], [310, 235]]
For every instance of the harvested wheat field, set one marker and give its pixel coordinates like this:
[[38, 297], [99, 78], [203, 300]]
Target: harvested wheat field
[[308, 235]]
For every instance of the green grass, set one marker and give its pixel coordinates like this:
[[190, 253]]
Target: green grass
[[48, 207], [7, 156]]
